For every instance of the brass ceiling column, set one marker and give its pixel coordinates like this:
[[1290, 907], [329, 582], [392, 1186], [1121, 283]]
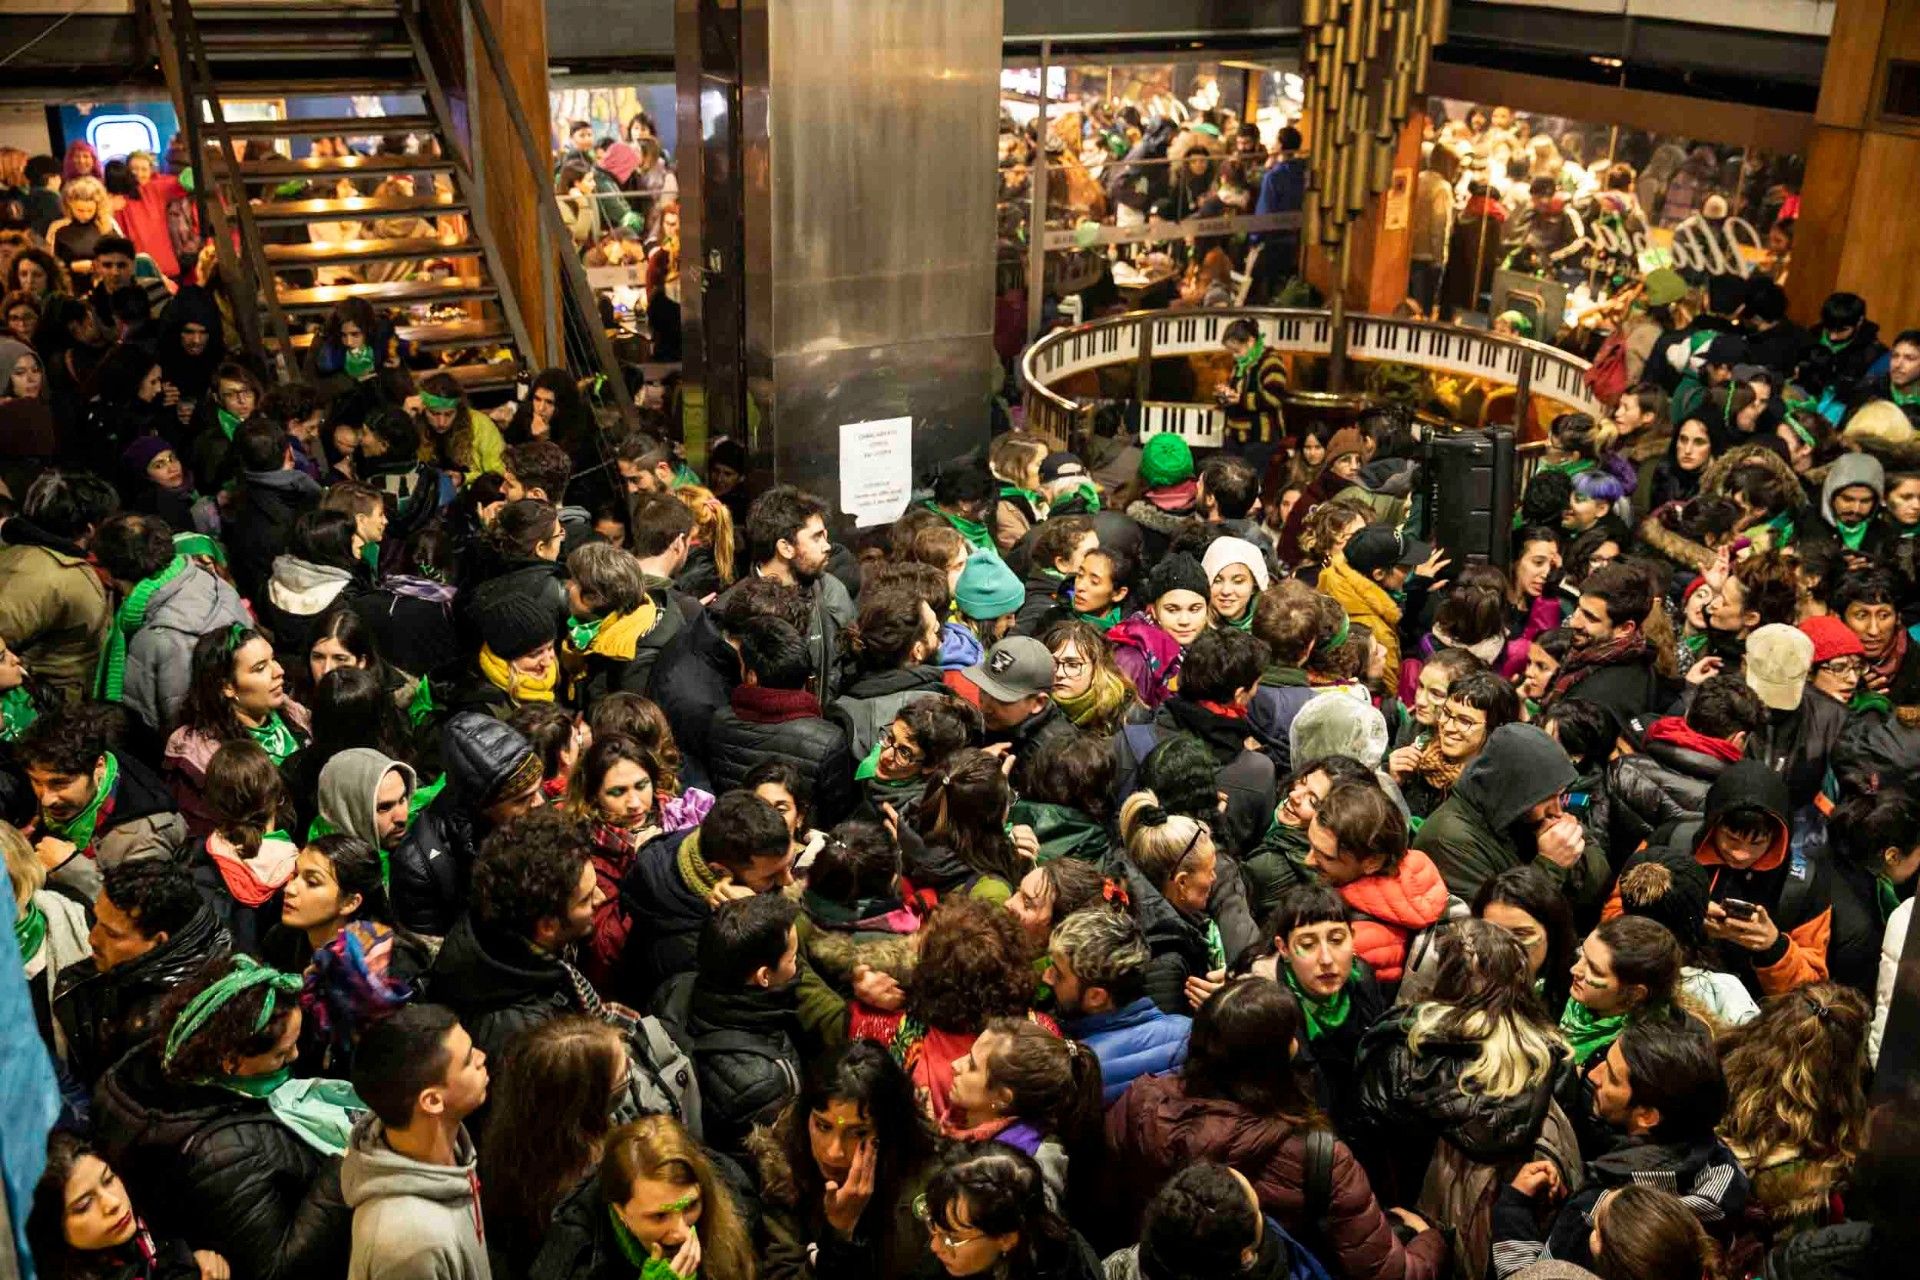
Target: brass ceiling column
[[837, 180]]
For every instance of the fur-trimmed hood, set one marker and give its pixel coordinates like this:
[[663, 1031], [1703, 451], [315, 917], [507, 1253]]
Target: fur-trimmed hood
[[1714, 479], [1664, 541]]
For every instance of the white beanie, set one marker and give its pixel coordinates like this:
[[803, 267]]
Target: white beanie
[[1222, 552]]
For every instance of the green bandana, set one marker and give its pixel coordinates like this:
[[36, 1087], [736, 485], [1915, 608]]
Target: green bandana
[[439, 404], [1852, 535], [1586, 1033], [1903, 398], [1243, 363], [1782, 526], [246, 974], [78, 830], [258, 1086], [421, 707], [976, 533], [1216, 949], [1034, 500], [110, 678], [199, 544], [1884, 892], [229, 422], [870, 767], [17, 713], [30, 930], [359, 362], [683, 475], [1244, 622], [651, 1268], [276, 737], [1866, 701], [1322, 1015], [584, 633], [1101, 622]]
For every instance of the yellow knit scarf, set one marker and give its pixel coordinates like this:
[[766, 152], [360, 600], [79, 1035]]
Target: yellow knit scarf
[[516, 685]]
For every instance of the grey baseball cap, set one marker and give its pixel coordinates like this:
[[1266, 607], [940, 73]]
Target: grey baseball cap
[[1015, 668]]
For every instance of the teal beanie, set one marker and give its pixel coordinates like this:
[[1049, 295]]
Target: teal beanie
[[987, 588]]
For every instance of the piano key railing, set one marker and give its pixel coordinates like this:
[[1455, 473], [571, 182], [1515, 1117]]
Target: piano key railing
[[1553, 379]]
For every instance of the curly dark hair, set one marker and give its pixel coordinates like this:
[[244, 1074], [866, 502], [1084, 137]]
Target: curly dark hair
[[528, 870], [973, 967], [231, 1031], [69, 741]]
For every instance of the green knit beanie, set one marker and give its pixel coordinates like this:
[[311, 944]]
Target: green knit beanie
[[1165, 460], [987, 588]]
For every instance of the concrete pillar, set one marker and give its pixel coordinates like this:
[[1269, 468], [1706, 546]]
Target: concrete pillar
[[836, 171]]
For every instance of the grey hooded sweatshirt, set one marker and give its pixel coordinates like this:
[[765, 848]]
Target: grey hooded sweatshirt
[[411, 1220], [348, 785], [1848, 470], [160, 653]]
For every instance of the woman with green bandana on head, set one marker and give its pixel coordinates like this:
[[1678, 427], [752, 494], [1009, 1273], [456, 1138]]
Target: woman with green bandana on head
[[455, 436], [657, 1211], [237, 689], [1314, 959], [215, 1141], [1625, 969]]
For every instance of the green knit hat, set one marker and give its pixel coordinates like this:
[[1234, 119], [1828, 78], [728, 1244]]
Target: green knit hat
[[1165, 460], [987, 589]]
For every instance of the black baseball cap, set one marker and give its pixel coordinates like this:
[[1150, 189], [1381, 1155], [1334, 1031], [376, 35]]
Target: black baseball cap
[[1381, 546]]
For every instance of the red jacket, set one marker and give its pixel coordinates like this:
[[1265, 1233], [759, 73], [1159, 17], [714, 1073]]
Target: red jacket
[[1390, 909], [144, 219]]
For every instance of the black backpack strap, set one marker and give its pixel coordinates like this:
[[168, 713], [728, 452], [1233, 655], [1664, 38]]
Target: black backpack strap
[[1318, 1185]]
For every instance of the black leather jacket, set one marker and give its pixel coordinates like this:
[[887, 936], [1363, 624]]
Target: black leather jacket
[[103, 1015]]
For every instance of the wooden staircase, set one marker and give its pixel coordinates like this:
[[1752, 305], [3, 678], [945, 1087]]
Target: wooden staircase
[[263, 193]]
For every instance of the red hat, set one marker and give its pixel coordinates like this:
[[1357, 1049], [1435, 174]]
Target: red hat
[[1831, 638]]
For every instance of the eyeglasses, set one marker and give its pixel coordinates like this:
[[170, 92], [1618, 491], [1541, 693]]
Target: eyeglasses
[[1844, 667], [942, 1234], [1071, 666], [904, 753], [1460, 719]]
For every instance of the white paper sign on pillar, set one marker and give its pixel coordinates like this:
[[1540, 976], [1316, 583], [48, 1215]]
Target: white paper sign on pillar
[[876, 470]]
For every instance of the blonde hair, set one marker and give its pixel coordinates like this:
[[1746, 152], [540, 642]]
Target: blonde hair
[[1159, 843], [657, 1149], [712, 525], [13, 167], [1016, 457], [1483, 994], [1794, 1078], [23, 865], [89, 189]]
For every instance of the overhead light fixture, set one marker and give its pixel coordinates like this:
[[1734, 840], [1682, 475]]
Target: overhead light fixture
[[1612, 64]]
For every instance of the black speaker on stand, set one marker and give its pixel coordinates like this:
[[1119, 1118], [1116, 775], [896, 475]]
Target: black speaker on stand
[[1470, 497]]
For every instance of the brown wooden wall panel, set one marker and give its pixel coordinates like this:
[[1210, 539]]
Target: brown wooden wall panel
[[1883, 236], [1853, 52], [1825, 206]]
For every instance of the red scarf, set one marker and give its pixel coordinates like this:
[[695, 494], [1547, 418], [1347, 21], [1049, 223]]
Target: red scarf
[[1889, 666], [1675, 732], [757, 704], [1583, 662], [1230, 710]]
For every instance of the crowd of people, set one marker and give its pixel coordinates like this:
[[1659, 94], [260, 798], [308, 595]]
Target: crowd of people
[[620, 202], [449, 846]]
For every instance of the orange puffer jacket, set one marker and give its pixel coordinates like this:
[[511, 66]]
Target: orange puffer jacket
[[1389, 909]]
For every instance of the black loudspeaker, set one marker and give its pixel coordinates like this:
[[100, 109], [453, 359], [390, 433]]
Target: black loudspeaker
[[1470, 495]]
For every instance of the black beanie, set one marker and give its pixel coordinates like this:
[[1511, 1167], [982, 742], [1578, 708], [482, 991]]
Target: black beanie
[[515, 625], [1177, 573]]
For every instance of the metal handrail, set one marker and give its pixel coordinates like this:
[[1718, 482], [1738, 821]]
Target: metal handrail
[[1067, 405], [577, 291]]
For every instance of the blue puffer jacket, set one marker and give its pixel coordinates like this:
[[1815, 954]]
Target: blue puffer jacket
[[1138, 1040]]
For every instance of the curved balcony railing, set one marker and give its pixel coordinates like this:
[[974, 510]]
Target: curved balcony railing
[[1529, 381]]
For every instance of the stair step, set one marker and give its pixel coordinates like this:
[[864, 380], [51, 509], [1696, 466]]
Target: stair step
[[403, 249], [290, 10], [495, 376], [275, 168], [291, 49], [306, 86], [396, 293], [353, 208], [333, 127], [432, 336]]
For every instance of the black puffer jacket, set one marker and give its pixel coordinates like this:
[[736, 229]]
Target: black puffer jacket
[[220, 1169], [1407, 1101], [1796, 744], [1177, 941], [531, 577], [498, 984], [1841, 1252], [691, 681], [762, 724], [1665, 781], [103, 1015], [580, 1244], [668, 917], [429, 870], [742, 1047]]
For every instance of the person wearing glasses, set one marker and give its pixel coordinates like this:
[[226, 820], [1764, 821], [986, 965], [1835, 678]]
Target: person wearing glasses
[[986, 1212], [1476, 705]]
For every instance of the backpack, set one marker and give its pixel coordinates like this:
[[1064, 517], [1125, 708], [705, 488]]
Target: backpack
[[1606, 377], [1303, 1250], [660, 1075]]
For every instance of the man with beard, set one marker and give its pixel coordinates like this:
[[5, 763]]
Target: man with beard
[[1506, 810], [787, 543], [1097, 968], [96, 807], [1611, 663], [1659, 1092]]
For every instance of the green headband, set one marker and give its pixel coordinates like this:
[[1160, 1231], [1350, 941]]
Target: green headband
[[681, 1205], [439, 404], [199, 544], [1340, 633], [246, 974], [1806, 436]]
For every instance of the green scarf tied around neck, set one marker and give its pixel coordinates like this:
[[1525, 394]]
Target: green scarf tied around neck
[[1852, 535], [78, 830], [1587, 1032], [583, 632], [1101, 622], [17, 713], [650, 1267], [245, 974], [30, 930], [1034, 500], [279, 740], [976, 533], [1242, 623], [1243, 363], [110, 679], [1322, 1014], [229, 422], [359, 362], [1885, 895]]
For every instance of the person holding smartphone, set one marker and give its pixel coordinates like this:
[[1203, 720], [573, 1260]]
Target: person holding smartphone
[[1769, 910]]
